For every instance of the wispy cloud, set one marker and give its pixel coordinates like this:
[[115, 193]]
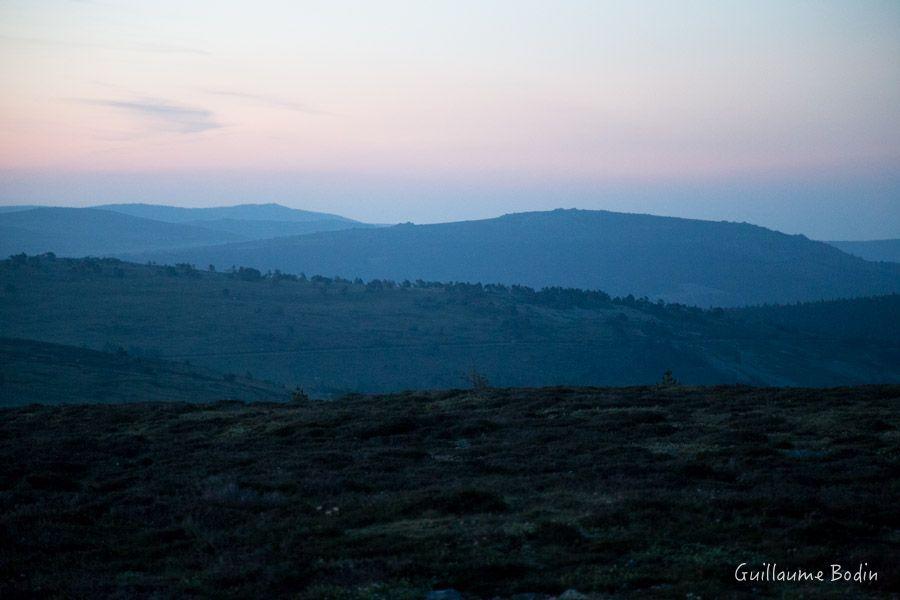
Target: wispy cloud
[[271, 101], [162, 115]]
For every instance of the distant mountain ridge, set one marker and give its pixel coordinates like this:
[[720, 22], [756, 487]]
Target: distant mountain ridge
[[89, 231], [248, 212], [874, 250], [695, 262], [126, 228], [679, 260]]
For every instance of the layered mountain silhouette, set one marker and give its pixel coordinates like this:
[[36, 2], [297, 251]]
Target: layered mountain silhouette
[[679, 260], [123, 228], [88, 231], [242, 212]]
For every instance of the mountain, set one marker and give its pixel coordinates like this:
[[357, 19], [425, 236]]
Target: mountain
[[128, 228], [88, 231], [38, 372], [334, 336], [679, 260], [242, 212], [874, 250]]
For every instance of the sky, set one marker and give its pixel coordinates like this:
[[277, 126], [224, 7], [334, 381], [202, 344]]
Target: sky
[[778, 112]]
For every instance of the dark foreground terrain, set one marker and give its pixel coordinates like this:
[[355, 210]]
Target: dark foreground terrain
[[645, 492]]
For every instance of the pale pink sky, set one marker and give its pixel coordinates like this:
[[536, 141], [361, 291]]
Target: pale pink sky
[[413, 98]]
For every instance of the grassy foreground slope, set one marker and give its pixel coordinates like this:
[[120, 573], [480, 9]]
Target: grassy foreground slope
[[335, 336], [640, 492], [37, 372]]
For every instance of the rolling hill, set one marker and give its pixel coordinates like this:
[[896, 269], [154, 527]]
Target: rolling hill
[[679, 260], [336, 336], [38, 372], [874, 250]]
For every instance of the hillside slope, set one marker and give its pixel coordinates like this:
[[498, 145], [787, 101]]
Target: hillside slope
[[335, 336], [38, 372], [680, 260], [874, 250]]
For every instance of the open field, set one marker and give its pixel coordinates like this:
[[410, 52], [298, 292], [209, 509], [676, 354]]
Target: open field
[[629, 492]]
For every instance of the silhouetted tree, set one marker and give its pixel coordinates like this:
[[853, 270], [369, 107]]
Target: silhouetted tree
[[668, 380]]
